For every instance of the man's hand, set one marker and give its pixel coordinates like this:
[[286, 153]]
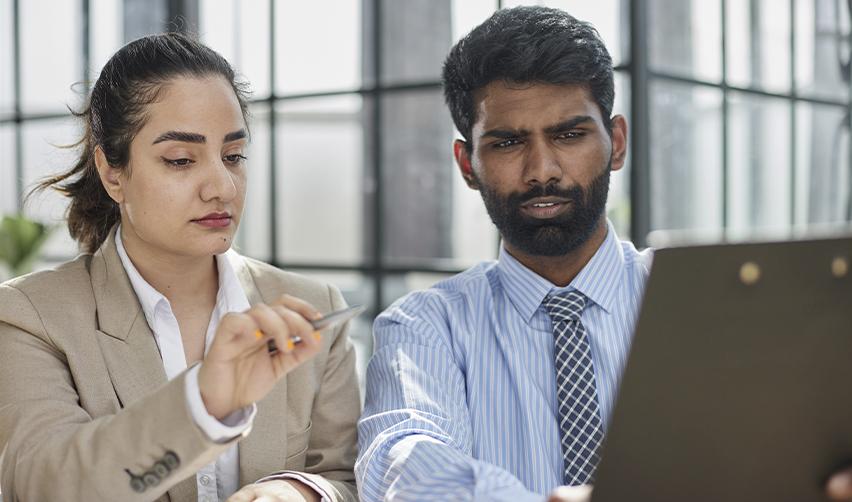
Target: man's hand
[[581, 493], [239, 370], [839, 486], [283, 490]]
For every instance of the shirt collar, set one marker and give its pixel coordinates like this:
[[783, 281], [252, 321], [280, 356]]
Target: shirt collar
[[598, 280], [230, 295]]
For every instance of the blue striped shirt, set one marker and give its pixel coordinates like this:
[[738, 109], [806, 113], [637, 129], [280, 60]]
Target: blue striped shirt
[[461, 392]]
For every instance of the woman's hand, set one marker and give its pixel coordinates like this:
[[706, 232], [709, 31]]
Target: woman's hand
[[239, 370]]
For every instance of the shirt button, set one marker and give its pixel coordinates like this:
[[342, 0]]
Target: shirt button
[[205, 480]]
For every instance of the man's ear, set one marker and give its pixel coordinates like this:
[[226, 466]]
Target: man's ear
[[110, 176], [462, 156], [619, 141]]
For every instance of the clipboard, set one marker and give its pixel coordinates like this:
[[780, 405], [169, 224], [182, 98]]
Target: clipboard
[[738, 386]]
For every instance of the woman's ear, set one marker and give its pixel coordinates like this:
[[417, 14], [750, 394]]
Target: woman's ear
[[110, 176]]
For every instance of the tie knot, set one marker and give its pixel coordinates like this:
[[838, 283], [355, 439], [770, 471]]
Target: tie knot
[[565, 306]]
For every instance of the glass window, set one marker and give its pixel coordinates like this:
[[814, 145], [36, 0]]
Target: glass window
[[253, 238], [43, 156], [415, 38], [106, 35], [428, 213], [821, 48], [686, 38], [7, 75], [49, 69], [320, 182], [239, 30], [686, 156], [823, 177], [316, 50], [468, 14], [758, 44], [759, 163], [618, 203], [8, 174], [605, 15]]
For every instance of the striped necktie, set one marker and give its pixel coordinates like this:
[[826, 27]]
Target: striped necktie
[[576, 392]]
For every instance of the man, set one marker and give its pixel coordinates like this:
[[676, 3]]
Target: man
[[497, 384]]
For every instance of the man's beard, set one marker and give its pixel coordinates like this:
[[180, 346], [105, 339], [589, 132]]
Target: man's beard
[[553, 236]]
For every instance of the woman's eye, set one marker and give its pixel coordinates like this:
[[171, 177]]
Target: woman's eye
[[235, 158], [181, 162]]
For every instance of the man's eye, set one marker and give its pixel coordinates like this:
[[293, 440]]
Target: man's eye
[[507, 143], [571, 135]]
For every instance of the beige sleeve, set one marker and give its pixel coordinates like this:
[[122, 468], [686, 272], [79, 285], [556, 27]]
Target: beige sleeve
[[334, 440], [55, 451]]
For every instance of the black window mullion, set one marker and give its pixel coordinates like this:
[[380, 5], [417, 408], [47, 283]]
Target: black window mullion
[[640, 172], [725, 114], [377, 260], [273, 160], [794, 92], [16, 84]]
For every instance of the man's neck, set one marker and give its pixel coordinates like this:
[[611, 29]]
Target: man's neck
[[181, 279], [561, 270]]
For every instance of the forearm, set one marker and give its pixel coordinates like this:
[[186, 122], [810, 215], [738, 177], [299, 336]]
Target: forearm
[[54, 453]]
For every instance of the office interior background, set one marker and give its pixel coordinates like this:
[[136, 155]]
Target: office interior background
[[738, 112]]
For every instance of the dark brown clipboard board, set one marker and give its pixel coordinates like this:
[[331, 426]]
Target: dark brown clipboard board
[[736, 392]]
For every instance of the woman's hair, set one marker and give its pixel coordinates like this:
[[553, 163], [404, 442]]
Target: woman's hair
[[114, 113]]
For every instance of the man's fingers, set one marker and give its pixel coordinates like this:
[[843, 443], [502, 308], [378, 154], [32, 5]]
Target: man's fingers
[[581, 493], [839, 486]]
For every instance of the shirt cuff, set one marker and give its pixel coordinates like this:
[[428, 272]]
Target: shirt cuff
[[298, 476], [218, 431]]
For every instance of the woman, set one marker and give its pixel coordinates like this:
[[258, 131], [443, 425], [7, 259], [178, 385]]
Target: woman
[[96, 401]]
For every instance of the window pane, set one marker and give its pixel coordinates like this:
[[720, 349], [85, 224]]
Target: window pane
[[106, 34], [605, 15], [7, 76], [239, 30], [759, 163], [821, 37], [320, 185], [416, 36], [618, 203], [823, 177], [43, 157], [759, 44], [686, 156], [8, 197], [686, 38], [468, 14], [48, 68], [398, 285], [428, 211], [253, 238], [315, 50]]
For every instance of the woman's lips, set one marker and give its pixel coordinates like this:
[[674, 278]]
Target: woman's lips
[[214, 221]]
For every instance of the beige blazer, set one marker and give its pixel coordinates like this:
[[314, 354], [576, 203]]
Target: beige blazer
[[86, 412]]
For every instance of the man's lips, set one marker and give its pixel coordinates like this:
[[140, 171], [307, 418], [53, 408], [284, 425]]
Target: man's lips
[[214, 220], [545, 207]]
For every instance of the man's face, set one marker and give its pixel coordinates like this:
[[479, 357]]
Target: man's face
[[541, 158]]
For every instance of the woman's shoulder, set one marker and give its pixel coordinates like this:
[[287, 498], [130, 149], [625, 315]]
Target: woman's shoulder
[[273, 282], [68, 279]]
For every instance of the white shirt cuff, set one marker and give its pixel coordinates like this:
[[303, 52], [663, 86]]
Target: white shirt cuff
[[218, 431], [298, 476]]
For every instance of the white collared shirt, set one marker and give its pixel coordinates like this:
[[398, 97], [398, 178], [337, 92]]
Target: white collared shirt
[[220, 479]]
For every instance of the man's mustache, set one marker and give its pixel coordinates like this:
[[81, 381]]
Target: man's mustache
[[574, 193]]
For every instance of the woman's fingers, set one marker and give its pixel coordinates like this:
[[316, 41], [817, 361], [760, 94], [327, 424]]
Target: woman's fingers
[[298, 305]]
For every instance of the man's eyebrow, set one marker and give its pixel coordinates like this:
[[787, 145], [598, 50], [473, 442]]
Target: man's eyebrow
[[568, 124], [186, 137], [504, 133], [234, 136]]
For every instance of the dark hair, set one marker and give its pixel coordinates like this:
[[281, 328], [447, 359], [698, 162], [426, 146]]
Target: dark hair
[[526, 45], [115, 112]]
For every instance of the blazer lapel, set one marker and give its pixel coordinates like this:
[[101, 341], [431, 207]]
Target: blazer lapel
[[262, 451], [129, 348]]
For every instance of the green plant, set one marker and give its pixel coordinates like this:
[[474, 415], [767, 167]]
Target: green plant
[[20, 242]]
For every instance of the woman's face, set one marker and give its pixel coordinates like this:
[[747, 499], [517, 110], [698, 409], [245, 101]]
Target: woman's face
[[185, 187]]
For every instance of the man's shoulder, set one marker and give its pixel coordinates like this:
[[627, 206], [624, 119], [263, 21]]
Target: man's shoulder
[[637, 261], [451, 298]]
